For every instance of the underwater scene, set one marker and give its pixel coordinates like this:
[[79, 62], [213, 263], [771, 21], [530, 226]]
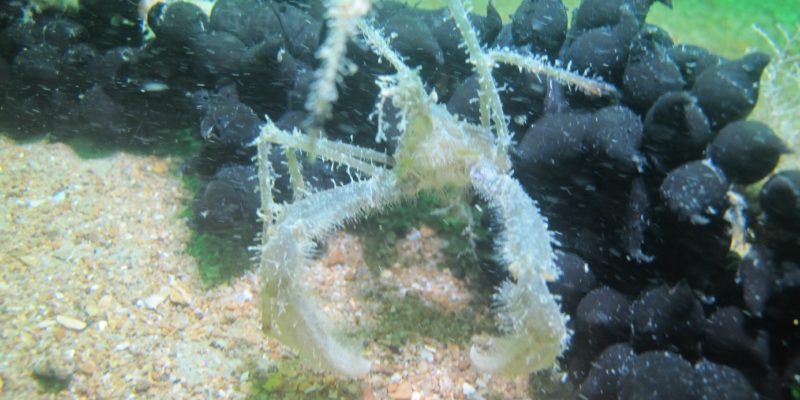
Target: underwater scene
[[400, 199]]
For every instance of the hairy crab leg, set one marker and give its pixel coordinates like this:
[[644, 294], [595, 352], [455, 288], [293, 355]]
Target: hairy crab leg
[[491, 106], [289, 313], [529, 315], [363, 159], [539, 66]]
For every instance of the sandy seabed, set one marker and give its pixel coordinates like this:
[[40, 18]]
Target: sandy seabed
[[95, 284]]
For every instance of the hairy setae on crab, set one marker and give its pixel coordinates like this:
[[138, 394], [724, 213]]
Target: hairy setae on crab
[[435, 150]]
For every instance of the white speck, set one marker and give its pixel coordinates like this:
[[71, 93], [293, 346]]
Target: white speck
[[244, 296], [58, 197], [154, 86], [468, 390], [153, 301]]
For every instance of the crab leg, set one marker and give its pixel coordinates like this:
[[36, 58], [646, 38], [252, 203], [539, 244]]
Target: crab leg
[[289, 313], [491, 106], [362, 159], [528, 313]]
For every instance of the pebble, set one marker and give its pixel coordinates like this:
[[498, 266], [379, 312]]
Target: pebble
[[141, 385], [179, 295], [244, 296], [71, 323], [335, 257], [427, 355], [59, 333], [403, 391], [154, 300], [88, 368], [467, 389], [423, 367], [160, 167], [350, 275], [102, 325], [29, 260], [92, 310], [367, 394], [52, 371], [105, 303], [426, 232]]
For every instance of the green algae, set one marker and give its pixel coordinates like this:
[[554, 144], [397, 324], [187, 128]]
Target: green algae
[[448, 213], [220, 257], [402, 319], [289, 380]]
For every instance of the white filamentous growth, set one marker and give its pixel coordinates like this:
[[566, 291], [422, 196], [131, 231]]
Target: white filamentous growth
[[534, 327]]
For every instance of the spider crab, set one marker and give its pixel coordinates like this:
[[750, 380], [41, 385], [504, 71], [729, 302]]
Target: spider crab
[[435, 149]]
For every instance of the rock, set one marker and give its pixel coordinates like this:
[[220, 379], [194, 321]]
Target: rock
[[668, 318], [464, 364], [426, 231], [468, 390], [613, 362], [154, 300], [350, 275], [52, 375], [649, 74], [179, 295], [695, 192], [728, 92], [759, 276], [88, 368], [177, 22], [71, 323], [122, 346], [576, 281], [92, 310], [105, 303], [723, 382], [59, 333], [335, 257], [403, 391], [603, 316], [692, 61], [780, 200], [367, 393], [746, 151], [540, 24], [160, 167], [659, 375], [675, 131], [728, 341], [142, 385]]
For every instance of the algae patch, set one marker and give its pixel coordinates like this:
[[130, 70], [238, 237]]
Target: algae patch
[[407, 318], [288, 380]]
